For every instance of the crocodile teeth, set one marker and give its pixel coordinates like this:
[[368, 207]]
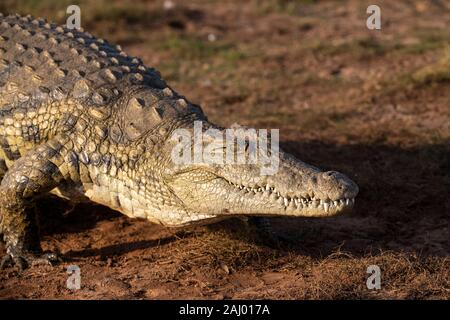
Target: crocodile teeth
[[295, 202]]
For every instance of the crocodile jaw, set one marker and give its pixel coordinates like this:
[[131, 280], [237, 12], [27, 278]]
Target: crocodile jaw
[[297, 205], [297, 189]]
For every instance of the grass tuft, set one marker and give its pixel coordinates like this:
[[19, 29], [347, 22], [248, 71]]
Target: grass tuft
[[435, 73]]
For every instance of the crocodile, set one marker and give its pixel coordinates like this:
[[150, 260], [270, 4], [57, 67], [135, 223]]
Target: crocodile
[[83, 120]]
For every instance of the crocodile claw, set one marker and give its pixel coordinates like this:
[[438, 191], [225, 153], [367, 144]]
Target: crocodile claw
[[24, 260]]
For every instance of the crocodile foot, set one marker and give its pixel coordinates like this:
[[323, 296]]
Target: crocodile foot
[[24, 259]]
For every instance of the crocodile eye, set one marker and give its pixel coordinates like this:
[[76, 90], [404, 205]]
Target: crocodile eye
[[133, 131]]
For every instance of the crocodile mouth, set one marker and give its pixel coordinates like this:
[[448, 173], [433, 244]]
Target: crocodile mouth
[[216, 194], [296, 202]]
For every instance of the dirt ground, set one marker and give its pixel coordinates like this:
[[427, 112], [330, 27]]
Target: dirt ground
[[374, 105]]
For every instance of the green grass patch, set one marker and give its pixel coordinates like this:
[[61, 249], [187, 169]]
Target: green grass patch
[[426, 40], [435, 73], [196, 48], [125, 20], [273, 118], [91, 11], [289, 7], [54, 10], [430, 75], [360, 48], [191, 56], [421, 42]]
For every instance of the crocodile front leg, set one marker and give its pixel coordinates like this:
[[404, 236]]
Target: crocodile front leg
[[32, 175]]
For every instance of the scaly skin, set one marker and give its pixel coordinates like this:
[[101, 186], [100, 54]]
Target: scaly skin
[[81, 119]]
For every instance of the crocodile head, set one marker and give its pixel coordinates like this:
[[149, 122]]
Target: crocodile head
[[290, 188], [196, 170]]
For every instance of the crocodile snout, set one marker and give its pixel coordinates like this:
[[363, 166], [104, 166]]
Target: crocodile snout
[[337, 185]]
